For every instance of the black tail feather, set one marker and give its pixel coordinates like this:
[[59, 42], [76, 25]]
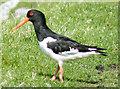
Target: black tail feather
[[97, 50], [100, 49], [102, 53]]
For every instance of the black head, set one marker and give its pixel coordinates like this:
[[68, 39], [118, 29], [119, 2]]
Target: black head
[[36, 16]]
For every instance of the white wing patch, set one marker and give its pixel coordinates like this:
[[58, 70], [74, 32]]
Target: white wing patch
[[71, 52], [92, 49]]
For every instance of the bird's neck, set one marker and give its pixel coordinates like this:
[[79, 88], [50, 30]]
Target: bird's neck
[[42, 31]]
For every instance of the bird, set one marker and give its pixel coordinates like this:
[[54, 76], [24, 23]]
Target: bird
[[57, 46]]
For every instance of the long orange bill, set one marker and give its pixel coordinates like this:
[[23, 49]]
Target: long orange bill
[[20, 24]]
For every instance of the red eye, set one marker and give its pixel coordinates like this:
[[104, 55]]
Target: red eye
[[31, 14]]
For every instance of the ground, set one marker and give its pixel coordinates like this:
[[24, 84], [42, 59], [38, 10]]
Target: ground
[[94, 24]]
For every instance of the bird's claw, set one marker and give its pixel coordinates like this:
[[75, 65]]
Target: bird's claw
[[61, 80], [53, 78]]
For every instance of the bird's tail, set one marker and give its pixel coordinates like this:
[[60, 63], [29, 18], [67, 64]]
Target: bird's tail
[[97, 50]]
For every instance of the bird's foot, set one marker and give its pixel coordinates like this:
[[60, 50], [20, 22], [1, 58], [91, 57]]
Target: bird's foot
[[53, 78], [61, 78], [61, 74]]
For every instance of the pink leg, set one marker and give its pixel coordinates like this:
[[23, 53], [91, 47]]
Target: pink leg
[[61, 74], [54, 77]]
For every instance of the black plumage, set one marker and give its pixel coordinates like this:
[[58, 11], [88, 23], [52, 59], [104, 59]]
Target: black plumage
[[65, 45]]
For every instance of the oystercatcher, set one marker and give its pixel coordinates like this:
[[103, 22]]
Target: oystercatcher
[[57, 46]]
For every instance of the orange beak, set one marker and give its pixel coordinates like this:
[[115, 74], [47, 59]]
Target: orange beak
[[20, 24]]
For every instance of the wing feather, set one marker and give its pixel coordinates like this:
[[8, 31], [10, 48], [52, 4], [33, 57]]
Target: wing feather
[[63, 45]]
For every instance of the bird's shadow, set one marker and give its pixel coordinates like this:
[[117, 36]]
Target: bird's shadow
[[68, 79]]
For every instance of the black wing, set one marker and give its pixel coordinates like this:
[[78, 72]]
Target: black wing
[[64, 44]]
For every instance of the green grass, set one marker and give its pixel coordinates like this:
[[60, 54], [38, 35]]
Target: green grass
[[24, 65], [2, 1]]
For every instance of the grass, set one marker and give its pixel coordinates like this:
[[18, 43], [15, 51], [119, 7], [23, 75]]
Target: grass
[[24, 65], [2, 1]]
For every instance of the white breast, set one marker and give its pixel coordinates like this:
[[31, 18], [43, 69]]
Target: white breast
[[43, 45]]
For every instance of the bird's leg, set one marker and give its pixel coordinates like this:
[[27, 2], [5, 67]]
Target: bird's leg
[[54, 77], [61, 74]]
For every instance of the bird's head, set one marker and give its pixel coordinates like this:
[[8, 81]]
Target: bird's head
[[34, 16]]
